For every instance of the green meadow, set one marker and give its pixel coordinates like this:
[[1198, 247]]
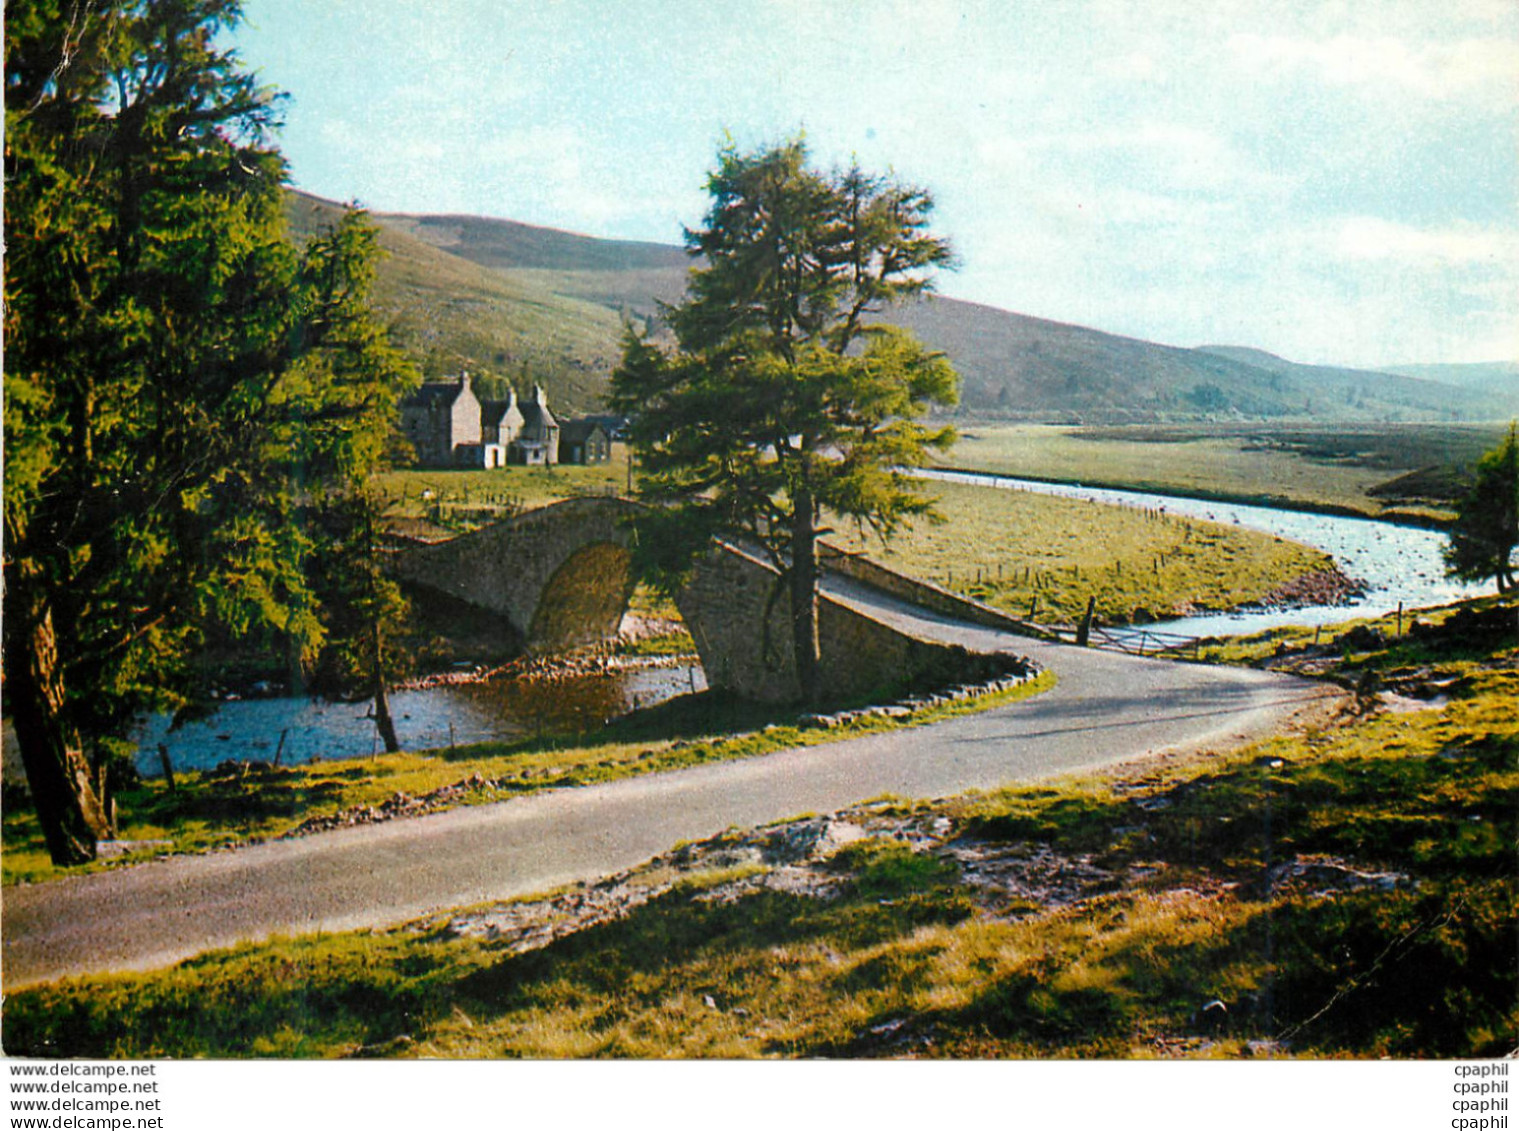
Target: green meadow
[[1041, 557], [1412, 471]]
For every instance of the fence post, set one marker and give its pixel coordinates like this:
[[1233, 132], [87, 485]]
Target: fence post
[[1084, 630], [167, 764]]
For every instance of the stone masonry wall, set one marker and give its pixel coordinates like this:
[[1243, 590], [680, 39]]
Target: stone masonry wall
[[727, 602], [560, 575], [921, 593], [513, 567]]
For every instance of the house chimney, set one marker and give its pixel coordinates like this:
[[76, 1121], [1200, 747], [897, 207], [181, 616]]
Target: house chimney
[[540, 397]]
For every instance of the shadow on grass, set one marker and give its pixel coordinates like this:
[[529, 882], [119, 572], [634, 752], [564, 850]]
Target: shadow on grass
[[1453, 812], [230, 799], [1427, 973], [678, 930]]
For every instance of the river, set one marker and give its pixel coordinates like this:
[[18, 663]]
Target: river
[[432, 717], [1397, 564]]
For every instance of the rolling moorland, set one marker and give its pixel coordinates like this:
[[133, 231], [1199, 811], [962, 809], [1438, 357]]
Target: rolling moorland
[[532, 304]]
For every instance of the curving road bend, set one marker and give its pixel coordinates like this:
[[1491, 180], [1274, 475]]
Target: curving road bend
[[1106, 708]]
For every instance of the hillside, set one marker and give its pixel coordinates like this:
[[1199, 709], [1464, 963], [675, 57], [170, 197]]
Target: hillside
[[453, 314], [1019, 367], [513, 301], [1500, 378]]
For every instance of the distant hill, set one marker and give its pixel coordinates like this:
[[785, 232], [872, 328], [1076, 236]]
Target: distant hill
[[452, 314], [1498, 378], [506, 244], [517, 302], [1417, 394]]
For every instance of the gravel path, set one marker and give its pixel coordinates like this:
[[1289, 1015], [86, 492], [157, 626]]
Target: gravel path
[[1106, 708]]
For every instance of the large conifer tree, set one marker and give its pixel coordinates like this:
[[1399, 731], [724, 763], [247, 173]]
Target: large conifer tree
[[1486, 531], [177, 377], [783, 401]]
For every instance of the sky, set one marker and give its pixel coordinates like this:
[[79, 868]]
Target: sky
[[1334, 181]]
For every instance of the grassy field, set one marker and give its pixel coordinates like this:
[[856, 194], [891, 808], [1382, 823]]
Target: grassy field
[[457, 501], [1379, 470], [1348, 890], [1014, 550], [1041, 557], [259, 802]]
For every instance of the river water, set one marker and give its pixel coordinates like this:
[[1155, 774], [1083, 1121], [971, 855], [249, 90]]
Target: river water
[[1397, 564], [434, 717]]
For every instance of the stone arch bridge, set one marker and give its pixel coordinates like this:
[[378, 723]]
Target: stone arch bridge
[[561, 575]]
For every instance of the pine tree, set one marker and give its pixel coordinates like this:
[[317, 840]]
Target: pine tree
[[178, 378], [1486, 531], [363, 608], [783, 401]]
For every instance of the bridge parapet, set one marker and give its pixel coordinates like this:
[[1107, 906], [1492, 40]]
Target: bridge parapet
[[562, 576], [738, 612]]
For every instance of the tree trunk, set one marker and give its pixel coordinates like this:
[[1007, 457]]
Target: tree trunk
[[72, 813], [804, 596], [382, 719]]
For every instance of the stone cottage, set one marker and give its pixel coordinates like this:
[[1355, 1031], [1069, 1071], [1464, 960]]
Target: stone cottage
[[449, 426], [538, 442], [440, 418], [584, 441]]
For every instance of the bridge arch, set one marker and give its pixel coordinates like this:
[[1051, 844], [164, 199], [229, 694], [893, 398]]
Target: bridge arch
[[561, 574], [585, 599]]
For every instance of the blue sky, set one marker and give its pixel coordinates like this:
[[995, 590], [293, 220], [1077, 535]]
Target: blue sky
[[1333, 181]]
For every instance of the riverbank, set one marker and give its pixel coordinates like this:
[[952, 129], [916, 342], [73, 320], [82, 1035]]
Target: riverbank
[[1344, 890], [596, 660], [1270, 500], [1410, 473], [1042, 557], [244, 802], [1393, 565]]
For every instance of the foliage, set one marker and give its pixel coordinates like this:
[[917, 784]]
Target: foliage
[[1486, 531], [177, 378], [781, 402], [364, 611]]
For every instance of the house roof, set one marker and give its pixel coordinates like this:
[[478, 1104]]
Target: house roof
[[578, 431], [436, 393], [537, 419], [492, 412]]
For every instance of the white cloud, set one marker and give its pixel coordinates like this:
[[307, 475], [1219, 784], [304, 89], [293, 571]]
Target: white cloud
[[1369, 238], [1156, 157], [1435, 70]]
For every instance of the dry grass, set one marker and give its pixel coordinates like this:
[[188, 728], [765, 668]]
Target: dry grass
[[1021, 550], [1342, 466]]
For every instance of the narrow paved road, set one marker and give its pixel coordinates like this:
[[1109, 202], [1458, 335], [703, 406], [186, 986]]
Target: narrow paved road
[[1106, 708]]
